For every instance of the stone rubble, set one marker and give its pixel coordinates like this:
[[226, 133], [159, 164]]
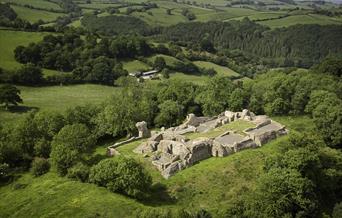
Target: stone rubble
[[171, 151]]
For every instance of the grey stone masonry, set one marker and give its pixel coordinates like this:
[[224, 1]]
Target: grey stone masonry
[[171, 151]]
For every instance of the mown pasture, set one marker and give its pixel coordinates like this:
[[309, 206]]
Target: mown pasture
[[36, 3], [57, 98], [9, 40], [33, 15], [302, 19], [221, 70]]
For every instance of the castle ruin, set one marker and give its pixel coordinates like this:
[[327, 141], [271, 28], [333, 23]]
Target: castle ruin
[[171, 150]]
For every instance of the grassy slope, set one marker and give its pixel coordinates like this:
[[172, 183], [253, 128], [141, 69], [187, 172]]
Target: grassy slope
[[52, 196], [227, 13], [9, 40], [223, 71], [58, 98], [211, 184], [76, 23], [134, 66], [260, 15], [200, 80], [169, 60], [301, 19], [36, 3], [97, 5], [159, 17], [33, 15]]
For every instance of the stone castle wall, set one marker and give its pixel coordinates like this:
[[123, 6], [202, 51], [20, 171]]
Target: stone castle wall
[[171, 151]]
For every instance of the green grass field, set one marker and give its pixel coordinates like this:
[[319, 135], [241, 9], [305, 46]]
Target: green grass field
[[159, 17], [52, 196], [225, 14], [135, 65], [199, 80], [9, 40], [211, 184], [33, 15], [169, 60], [238, 126], [302, 19], [58, 98], [76, 23], [223, 71], [97, 5], [260, 15], [36, 3]]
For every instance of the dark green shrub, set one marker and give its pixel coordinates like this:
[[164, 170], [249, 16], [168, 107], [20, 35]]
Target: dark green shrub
[[40, 166], [337, 210], [122, 175], [4, 169], [75, 136], [63, 157], [42, 148], [171, 213], [79, 172]]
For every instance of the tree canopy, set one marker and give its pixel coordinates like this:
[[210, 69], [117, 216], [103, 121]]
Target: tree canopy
[[9, 95]]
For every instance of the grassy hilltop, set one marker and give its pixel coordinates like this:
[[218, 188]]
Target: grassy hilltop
[[210, 184]]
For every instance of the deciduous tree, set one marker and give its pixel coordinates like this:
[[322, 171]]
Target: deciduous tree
[[9, 94]]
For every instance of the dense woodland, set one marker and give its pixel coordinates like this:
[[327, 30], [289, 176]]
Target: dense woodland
[[115, 25], [88, 60], [279, 47], [300, 45]]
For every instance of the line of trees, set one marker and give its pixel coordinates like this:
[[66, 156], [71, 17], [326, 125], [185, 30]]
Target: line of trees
[[88, 60], [116, 25]]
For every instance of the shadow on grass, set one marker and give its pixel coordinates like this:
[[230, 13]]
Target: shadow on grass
[[21, 109], [10, 179], [159, 196]]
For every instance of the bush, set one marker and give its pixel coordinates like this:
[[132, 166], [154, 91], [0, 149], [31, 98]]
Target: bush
[[165, 73], [4, 169], [79, 172], [337, 210], [9, 95], [122, 175], [75, 136], [208, 72], [159, 63], [40, 166], [63, 157], [171, 114], [171, 213], [29, 74], [42, 148]]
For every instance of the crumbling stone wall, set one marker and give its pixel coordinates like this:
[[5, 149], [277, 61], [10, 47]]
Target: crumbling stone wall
[[144, 132], [171, 151]]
